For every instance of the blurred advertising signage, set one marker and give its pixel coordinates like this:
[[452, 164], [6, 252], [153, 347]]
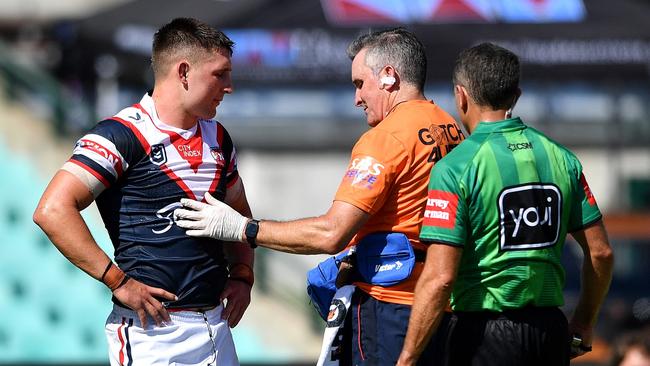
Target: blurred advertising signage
[[368, 12], [307, 54], [266, 54]]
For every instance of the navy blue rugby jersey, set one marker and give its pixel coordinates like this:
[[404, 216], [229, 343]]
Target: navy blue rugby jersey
[[147, 167]]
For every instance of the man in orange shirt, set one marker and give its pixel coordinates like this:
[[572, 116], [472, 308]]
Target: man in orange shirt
[[383, 190]]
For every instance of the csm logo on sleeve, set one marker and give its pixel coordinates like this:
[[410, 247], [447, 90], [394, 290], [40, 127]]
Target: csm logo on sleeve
[[529, 216]]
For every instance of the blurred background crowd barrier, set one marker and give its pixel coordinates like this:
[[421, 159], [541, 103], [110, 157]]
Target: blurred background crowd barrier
[[65, 65]]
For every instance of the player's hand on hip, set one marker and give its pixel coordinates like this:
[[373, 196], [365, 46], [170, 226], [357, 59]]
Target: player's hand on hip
[[214, 219], [238, 296], [142, 299]]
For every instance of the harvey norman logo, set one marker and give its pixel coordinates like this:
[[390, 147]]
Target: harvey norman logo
[[441, 209], [529, 216]]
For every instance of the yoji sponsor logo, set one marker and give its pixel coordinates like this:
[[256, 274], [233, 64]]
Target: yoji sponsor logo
[[441, 209], [530, 216], [364, 171]]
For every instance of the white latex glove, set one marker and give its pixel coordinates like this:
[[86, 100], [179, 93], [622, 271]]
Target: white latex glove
[[214, 219]]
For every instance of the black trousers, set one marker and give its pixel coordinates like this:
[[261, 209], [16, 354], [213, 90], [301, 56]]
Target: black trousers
[[532, 336]]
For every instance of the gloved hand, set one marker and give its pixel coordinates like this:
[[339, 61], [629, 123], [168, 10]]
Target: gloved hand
[[214, 219]]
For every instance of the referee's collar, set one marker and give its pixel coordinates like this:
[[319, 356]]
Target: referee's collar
[[510, 124]]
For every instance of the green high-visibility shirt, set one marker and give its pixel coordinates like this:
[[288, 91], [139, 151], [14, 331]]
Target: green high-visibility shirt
[[507, 195]]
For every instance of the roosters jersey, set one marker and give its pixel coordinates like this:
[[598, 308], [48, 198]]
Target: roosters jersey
[[146, 168]]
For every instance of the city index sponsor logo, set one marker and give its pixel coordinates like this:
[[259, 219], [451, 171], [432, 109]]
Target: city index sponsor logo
[[187, 151], [441, 209]]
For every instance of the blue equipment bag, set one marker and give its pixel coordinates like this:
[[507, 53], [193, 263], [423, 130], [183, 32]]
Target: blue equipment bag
[[321, 283], [385, 258]]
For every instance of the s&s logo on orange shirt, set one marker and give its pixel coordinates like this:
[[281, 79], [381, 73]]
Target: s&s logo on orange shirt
[[363, 171]]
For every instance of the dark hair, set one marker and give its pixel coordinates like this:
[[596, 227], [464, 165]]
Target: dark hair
[[490, 74], [396, 47], [186, 36]]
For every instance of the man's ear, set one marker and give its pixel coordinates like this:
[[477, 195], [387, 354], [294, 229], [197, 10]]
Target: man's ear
[[460, 94], [182, 69], [388, 78]]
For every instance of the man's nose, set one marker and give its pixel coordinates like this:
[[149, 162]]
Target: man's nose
[[357, 99]]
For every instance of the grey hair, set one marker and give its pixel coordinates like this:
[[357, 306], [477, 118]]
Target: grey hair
[[396, 47]]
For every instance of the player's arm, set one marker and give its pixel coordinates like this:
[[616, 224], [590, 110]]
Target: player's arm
[[58, 215], [597, 267], [432, 293], [328, 233], [238, 289]]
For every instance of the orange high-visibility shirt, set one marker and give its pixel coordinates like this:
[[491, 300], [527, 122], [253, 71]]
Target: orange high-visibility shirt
[[388, 177]]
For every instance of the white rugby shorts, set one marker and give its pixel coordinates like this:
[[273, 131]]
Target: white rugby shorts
[[192, 338]]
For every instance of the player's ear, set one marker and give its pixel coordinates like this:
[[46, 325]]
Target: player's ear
[[182, 69]]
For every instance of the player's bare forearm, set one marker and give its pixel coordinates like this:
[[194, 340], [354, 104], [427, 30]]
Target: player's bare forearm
[[328, 233], [597, 267], [432, 293], [58, 215], [325, 234]]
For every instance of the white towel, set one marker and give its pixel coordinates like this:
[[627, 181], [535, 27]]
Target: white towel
[[335, 320]]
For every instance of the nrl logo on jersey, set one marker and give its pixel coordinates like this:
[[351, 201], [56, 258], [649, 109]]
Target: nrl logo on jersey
[[158, 155]]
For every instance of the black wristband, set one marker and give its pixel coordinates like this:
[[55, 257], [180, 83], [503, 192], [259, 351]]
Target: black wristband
[[124, 280], [110, 264]]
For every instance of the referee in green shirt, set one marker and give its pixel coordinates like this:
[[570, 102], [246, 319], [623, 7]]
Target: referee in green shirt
[[499, 208]]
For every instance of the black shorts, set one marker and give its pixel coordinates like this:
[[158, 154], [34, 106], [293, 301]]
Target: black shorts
[[532, 336]]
